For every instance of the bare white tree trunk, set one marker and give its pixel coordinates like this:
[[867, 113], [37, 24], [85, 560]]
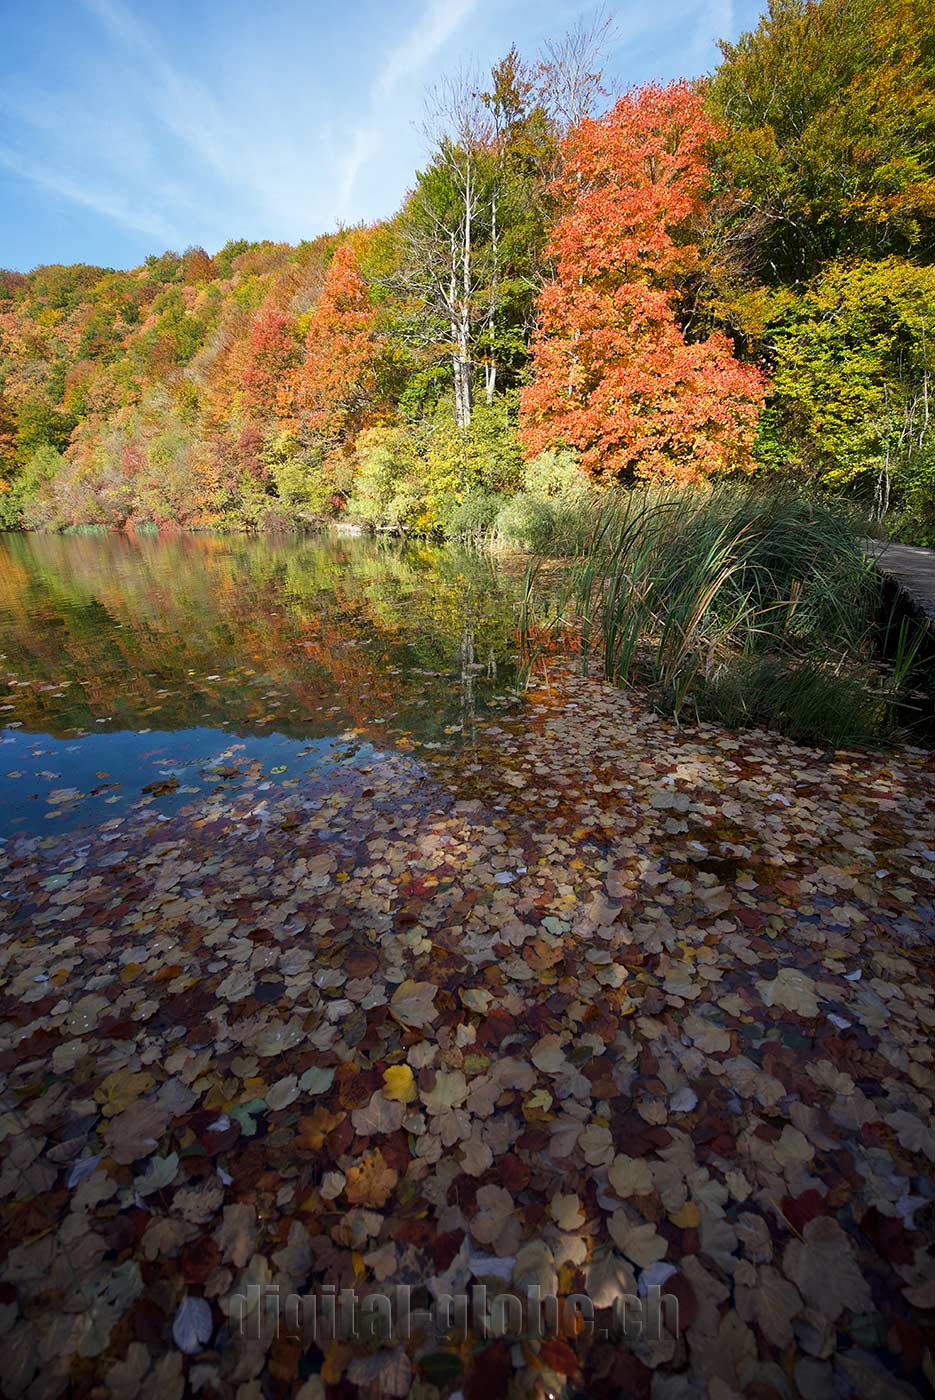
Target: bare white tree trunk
[[461, 409], [467, 291], [490, 364]]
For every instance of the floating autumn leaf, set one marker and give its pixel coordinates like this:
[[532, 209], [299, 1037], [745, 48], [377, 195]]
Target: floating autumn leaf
[[160, 1172], [709, 1038], [770, 1301], [567, 1212], [597, 1145], [638, 1241], [921, 1295], [537, 1103], [385, 1373], [136, 1131], [913, 1134], [510, 1073], [380, 1115], [317, 1080], [85, 1014], [124, 1377], [276, 1037], [792, 990], [120, 1089], [192, 1325], [314, 1129], [284, 1092], [608, 1278], [399, 1084], [476, 999], [412, 1004], [199, 1203], [332, 1185], [495, 1221], [449, 1090], [822, 1266], [793, 1148], [371, 1181], [548, 1055], [630, 1176], [236, 1235], [684, 1100], [752, 1083], [476, 1157], [164, 1238]]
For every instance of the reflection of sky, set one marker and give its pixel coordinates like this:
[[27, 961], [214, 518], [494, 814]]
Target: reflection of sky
[[101, 776], [150, 660]]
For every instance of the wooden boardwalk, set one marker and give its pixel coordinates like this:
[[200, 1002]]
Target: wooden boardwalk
[[914, 570]]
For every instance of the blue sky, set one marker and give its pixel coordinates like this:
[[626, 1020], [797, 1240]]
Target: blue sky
[[129, 127]]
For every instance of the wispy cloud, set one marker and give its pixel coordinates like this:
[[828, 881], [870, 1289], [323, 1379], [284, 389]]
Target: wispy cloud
[[365, 145], [180, 123], [439, 21], [110, 204]]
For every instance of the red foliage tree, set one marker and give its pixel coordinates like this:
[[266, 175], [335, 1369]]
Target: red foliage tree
[[271, 355], [613, 374], [332, 389]]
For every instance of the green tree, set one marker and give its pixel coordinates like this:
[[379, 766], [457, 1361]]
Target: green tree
[[830, 106], [855, 355], [39, 424]]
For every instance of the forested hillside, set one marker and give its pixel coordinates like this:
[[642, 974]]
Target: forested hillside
[[675, 283]]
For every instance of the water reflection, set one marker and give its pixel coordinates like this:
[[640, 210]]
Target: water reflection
[[127, 664]]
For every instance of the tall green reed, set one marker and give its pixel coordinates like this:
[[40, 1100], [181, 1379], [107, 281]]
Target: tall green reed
[[676, 587]]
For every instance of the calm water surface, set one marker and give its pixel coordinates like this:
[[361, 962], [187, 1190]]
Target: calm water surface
[[153, 672]]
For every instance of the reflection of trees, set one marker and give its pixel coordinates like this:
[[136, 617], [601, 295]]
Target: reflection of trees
[[130, 630]]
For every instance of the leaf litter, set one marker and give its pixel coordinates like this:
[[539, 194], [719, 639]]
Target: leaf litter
[[577, 1002]]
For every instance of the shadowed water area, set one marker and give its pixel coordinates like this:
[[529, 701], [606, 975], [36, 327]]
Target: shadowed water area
[[156, 671]]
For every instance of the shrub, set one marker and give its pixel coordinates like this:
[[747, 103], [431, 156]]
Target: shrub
[[308, 484], [474, 516], [556, 472], [386, 489], [41, 467]]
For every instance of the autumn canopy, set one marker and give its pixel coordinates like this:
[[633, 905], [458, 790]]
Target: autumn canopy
[[613, 373]]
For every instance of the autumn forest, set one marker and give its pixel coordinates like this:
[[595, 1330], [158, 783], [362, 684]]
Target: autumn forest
[[728, 277]]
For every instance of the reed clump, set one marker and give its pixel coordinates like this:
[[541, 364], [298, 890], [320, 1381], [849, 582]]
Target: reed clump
[[750, 606]]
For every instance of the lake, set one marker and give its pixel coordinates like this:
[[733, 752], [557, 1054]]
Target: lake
[[152, 672]]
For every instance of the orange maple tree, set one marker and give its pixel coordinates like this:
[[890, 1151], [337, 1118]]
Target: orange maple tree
[[332, 389], [613, 373]]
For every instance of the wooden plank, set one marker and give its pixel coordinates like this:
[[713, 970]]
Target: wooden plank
[[914, 570]]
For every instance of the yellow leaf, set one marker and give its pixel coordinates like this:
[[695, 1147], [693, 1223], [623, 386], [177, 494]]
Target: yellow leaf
[[337, 1355], [120, 1089], [399, 1084], [687, 1217]]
